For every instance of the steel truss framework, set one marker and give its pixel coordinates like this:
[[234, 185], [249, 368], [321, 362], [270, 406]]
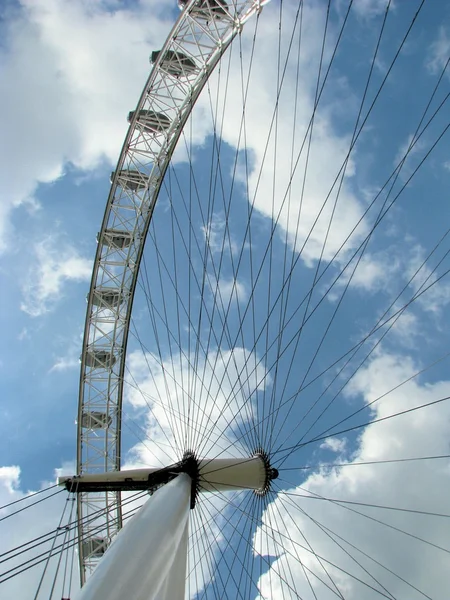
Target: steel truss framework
[[180, 71]]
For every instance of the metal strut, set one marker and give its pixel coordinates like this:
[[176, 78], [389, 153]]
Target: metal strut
[[135, 480]]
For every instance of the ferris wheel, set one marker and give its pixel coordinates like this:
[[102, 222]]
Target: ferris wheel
[[227, 338], [181, 69]]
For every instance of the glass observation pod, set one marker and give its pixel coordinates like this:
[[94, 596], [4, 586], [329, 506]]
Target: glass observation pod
[[95, 547], [95, 420], [107, 297], [204, 8], [150, 121], [100, 359], [129, 179], [114, 238], [175, 63]]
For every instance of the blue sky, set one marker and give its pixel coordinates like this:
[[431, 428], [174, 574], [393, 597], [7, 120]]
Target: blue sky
[[73, 72]]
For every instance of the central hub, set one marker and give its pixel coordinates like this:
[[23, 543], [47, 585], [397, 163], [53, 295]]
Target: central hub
[[225, 474], [271, 472], [207, 475]]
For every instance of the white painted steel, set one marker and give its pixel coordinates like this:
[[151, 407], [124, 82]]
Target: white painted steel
[[222, 474], [218, 474], [174, 586], [143, 161], [147, 560]]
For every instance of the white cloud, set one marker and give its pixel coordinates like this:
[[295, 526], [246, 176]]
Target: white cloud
[[24, 334], [389, 270], [297, 213], [71, 72], [70, 358], [406, 329], [374, 272], [63, 363], [213, 233], [217, 403], [406, 154], [9, 478], [35, 521], [56, 263], [221, 242], [436, 297], [218, 238], [66, 56], [439, 52], [334, 444], [230, 289], [371, 8], [422, 485]]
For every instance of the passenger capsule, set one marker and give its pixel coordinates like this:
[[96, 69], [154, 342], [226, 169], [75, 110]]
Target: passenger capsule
[[129, 179], [95, 547], [99, 359], [175, 63], [149, 121], [95, 420], [203, 8], [114, 238], [107, 297]]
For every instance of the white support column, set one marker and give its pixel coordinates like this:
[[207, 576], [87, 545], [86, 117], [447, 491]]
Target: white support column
[[147, 560], [174, 586]]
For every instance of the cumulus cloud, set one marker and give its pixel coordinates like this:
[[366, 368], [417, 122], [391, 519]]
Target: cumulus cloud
[[9, 477], [218, 238], [370, 8], [63, 65], [439, 52], [302, 204], [69, 358], [403, 268], [63, 363], [67, 361], [334, 444], [408, 156], [375, 271], [437, 297], [211, 394], [306, 524], [35, 521], [230, 290], [85, 126], [407, 329], [24, 334], [55, 264]]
